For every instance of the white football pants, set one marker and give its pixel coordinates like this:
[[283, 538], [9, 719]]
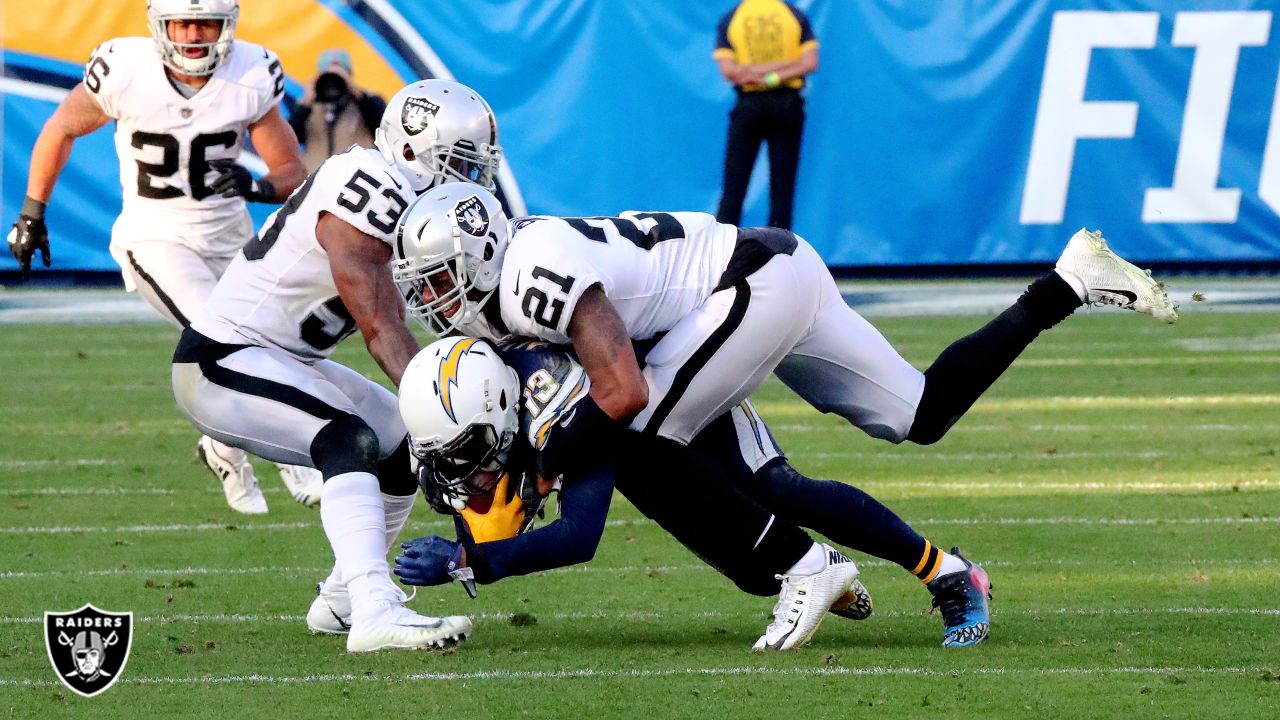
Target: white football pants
[[174, 279], [787, 317], [267, 402]]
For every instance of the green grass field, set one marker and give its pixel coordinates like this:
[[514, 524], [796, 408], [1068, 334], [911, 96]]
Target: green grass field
[[1120, 483]]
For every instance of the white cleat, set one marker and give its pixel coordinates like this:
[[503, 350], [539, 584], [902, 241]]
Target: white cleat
[[396, 626], [855, 604], [232, 468], [304, 483], [804, 602], [330, 612], [1111, 280]]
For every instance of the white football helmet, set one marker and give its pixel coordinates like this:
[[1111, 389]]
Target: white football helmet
[[160, 12], [449, 249], [460, 402], [438, 131]]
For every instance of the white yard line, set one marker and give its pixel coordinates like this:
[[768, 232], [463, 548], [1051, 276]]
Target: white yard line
[[67, 462], [586, 673], [1033, 521], [1063, 428], [292, 571], [505, 616], [71, 491]]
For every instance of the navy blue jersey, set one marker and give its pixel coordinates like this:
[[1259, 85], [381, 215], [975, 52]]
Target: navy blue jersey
[[551, 382]]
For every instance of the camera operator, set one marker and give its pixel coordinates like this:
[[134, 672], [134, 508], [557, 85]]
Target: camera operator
[[334, 113]]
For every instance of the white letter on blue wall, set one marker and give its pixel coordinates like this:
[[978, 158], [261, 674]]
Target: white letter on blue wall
[[1063, 116], [1195, 195]]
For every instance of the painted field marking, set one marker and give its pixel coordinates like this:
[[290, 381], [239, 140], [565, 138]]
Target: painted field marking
[[1033, 521], [586, 673]]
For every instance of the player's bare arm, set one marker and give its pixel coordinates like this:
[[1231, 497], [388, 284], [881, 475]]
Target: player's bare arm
[[359, 263], [604, 348], [276, 142], [78, 115]]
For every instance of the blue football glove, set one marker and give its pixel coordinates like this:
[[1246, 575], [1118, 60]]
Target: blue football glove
[[428, 561]]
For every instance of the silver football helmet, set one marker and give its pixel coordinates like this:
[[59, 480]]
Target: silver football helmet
[[448, 254], [160, 12], [460, 403], [438, 131]]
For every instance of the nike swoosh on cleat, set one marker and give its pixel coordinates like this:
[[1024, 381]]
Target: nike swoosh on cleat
[[1130, 296]]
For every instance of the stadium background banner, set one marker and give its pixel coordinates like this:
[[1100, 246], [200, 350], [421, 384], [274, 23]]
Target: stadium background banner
[[978, 132]]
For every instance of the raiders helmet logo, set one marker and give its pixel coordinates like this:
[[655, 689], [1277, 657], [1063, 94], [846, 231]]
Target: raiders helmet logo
[[472, 216], [88, 647], [417, 115]]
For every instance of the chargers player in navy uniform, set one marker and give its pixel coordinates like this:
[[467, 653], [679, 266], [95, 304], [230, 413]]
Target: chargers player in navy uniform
[[464, 453]]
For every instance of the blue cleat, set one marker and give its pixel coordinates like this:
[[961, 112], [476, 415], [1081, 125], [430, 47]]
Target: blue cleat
[[962, 597]]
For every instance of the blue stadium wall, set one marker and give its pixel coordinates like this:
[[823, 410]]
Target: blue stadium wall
[[939, 133]]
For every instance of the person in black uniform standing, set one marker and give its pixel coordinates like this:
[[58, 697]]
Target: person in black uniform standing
[[764, 48]]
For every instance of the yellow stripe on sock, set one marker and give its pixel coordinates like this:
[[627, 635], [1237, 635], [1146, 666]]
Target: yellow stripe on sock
[[928, 546], [937, 565]]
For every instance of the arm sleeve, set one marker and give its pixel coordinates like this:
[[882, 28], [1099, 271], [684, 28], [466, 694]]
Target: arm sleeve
[[551, 279], [569, 540], [371, 108], [268, 80], [104, 81]]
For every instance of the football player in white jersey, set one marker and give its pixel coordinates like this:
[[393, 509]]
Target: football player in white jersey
[[252, 370], [726, 306], [182, 101]]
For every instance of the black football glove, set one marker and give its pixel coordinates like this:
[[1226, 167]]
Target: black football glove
[[234, 180], [28, 235]]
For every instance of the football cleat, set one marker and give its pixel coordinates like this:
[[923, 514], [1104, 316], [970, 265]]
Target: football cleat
[[304, 483], [231, 467], [854, 604], [396, 626], [962, 597], [330, 612], [804, 602], [1111, 280]]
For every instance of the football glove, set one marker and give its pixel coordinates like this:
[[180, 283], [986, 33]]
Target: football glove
[[28, 235], [428, 561], [234, 180], [512, 511]]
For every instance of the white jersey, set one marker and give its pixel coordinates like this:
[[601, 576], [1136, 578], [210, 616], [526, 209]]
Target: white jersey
[[654, 267], [279, 292], [166, 141]]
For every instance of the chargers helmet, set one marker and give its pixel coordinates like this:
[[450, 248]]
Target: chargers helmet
[[460, 402], [438, 131], [448, 254], [160, 12]]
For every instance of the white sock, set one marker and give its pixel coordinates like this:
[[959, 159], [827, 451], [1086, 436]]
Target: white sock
[[397, 510], [1076, 283], [334, 583], [233, 455], [352, 513], [950, 563], [815, 560]]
